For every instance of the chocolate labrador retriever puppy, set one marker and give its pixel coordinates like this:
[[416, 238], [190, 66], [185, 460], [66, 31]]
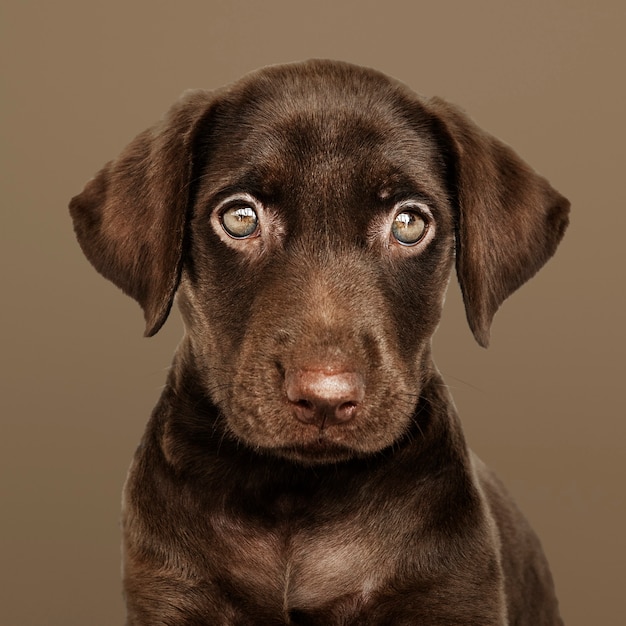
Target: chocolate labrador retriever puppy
[[305, 463]]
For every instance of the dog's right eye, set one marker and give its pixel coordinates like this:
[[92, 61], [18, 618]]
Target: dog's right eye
[[240, 221]]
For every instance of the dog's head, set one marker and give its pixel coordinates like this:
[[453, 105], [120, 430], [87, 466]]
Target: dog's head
[[307, 219]]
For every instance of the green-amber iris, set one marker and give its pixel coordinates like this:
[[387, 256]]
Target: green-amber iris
[[408, 227], [240, 221]]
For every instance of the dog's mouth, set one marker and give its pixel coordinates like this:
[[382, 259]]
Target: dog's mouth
[[346, 423]]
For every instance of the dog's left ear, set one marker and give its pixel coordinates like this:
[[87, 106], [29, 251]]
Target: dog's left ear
[[130, 218], [509, 223]]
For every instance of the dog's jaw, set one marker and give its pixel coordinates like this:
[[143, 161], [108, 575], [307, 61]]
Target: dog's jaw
[[252, 390]]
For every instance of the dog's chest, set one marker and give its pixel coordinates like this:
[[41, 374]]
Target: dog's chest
[[305, 568]]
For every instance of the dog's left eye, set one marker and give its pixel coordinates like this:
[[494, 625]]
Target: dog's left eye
[[409, 227], [240, 221]]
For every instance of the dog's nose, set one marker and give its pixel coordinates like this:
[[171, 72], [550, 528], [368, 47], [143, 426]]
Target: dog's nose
[[323, 398]]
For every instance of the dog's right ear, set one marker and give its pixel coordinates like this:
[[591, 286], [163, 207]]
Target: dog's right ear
[[130, 218]]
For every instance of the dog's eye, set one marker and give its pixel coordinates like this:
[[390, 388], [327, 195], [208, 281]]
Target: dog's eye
[[240, 221], [409, 227]]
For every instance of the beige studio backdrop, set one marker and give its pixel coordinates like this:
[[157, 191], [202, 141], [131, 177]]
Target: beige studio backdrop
[[543, 405]]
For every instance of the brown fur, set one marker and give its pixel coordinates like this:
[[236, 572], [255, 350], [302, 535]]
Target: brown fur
[[246, 503]]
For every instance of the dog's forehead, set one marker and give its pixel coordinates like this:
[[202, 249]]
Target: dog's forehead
[[323, 131]]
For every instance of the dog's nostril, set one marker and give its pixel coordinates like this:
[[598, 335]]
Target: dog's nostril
[[322, 398], [345, 411]]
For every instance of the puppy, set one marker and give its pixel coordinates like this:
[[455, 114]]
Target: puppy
[[305, 464]]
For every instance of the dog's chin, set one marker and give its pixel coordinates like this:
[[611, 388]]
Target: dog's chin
[[320, 452], [320, 449], [309, 445]]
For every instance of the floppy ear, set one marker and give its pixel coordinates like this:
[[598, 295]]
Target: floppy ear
[[510, 220], [130, 218]]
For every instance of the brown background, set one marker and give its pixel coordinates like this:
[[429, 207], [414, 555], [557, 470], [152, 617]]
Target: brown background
[[542, 405]]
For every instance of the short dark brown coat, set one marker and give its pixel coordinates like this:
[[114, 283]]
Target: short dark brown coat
[[238, 512]]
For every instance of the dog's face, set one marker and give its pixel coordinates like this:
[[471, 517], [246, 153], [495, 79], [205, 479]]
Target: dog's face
[[308, 219], [320, 244]]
